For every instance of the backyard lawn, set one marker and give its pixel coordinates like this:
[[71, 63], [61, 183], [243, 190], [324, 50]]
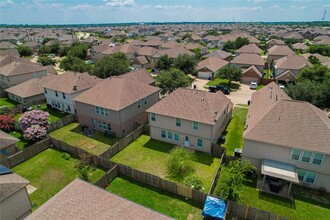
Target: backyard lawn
[[303, 207], [72, 134], [154, 198], [151, 156], [49, 173], [268, 73], [234, 130], [22, 143], [222, 82], [7, 102], [260, 87]]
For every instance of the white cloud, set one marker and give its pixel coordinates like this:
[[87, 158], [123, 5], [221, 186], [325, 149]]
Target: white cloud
[[243, 8], [166, 7], [6, 2], [80, 7], [119, 3], [257, 1]]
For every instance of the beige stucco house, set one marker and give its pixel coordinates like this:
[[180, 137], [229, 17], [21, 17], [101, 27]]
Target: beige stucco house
[[293, 135], [14, 198], [191, 118], [117, 104]]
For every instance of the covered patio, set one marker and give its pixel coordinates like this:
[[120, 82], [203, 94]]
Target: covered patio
[[277, 178]]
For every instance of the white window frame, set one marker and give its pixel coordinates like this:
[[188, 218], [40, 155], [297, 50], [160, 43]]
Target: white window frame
[[312, 161], [197, 126], [176, 122], [161, 134], [102, 111], [293, 149], [178, 137], [201, 142], [152, 116], [302, 156], [168, 136], [309, 172]]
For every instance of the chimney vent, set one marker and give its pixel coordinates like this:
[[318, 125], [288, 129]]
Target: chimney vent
[[75, 88]]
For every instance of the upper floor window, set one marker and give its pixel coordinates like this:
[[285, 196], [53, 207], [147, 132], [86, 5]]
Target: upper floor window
[[56, 93], [145, 101], [45, 91], [306, 156], [63, 94], [138, 104], [295, 154], [153, 116], [195, 125], [318, 158], [102, 111], [178, 122]]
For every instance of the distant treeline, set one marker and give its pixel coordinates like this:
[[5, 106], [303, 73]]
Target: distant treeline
[[310, 23]]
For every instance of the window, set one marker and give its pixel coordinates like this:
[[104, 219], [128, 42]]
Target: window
[[169, 135], [178, 122], [145, 101], [306, 156], [69, 109], [102, 111], [199, 142], [104, 126], [56, 94], [311, 177], [162, 133], [63, 94], [45, 91], [34, 75], [153, 116], [139, 104], [295, 154], [301, 174], [195, 125], [318, 158], [176, 137]]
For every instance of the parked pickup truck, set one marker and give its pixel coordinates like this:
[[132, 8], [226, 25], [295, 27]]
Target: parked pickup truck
[[223, 89]]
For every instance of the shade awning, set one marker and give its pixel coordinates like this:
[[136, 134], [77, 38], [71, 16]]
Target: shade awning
[[214, 207], [279, 170]]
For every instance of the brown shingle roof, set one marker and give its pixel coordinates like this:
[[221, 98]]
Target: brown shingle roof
[[280, 50], [247, 58], [195, 105], [146, 51], [11, 183], [212, 63], [252, 71], [141, 76], [293, 62], [30, 87], [68, 80], [17, 68], [6, 139], [82, 200], [175, 52], [116, 93], [251, 48], [220, 54], [9, 52]]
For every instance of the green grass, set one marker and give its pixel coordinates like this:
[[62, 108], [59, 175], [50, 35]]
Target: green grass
[[234, 130], [210, 50], [72, 134], [268, 73], [154, 198], [49, 173], [260, 87], [7, 102], [222, 82], [263, 52], [243, 105], [302, 207], [22, 143], [151, 156]]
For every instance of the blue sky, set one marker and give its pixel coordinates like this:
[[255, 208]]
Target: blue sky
[[111, 11]]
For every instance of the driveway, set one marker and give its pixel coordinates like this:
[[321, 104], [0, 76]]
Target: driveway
[[200, 83], [241, 96]]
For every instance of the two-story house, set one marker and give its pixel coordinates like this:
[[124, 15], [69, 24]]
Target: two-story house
[[191, 118], [7, 145], [287, 139], [116, 104], [246, 60], [61, 90]]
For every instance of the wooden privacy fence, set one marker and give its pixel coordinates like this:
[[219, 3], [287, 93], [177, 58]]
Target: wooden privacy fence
[[166, 185], [240, 211], [124, 142], [61, 123], [217, 174], [27, 153], [108, 177]]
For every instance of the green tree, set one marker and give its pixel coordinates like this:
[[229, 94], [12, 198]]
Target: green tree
[[75, 64], [198, 53], [291, 41], [63, 51], [232, 178], [164, 63], [45, 60], [172, 79], [230, 72], [313, 60], [79, 51], [24, 51], [240, 42], [186, 63], [180, 163], [114, 65], [320, 49], [186, 35], [317, 73], [54, 48], [229, 45]]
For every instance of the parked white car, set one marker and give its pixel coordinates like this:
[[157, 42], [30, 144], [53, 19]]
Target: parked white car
[[253, 85], [281, 86]]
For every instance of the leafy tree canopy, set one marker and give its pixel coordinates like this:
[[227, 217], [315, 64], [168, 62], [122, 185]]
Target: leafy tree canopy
[[114, 65], [24, 51], [230, 72], [185, 63], [172, 79], [164, 62]]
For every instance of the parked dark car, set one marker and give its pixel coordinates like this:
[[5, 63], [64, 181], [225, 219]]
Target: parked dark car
[[223, 89]]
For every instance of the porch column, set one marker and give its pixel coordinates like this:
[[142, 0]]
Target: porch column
[[290, 185], [263, 182]]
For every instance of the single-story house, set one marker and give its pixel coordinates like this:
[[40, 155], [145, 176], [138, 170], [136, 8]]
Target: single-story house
[[273, 42], [252, 74], [207, 68], [250, 48], [220, 54], [191, 118]]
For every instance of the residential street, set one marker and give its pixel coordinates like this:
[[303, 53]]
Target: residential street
[[242, 95]]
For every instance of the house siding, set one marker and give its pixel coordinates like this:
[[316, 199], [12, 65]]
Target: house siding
[[255, 152], [9, 81]]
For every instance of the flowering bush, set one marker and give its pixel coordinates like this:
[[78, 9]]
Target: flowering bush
[[34, 133], [34, 124], [7, 122]]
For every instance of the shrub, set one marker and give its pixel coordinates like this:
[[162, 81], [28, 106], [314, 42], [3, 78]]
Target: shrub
[[193, 181], [84, 172], [34, 117], [180, 163], [7, 122], [66, 156], [34, 133]]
